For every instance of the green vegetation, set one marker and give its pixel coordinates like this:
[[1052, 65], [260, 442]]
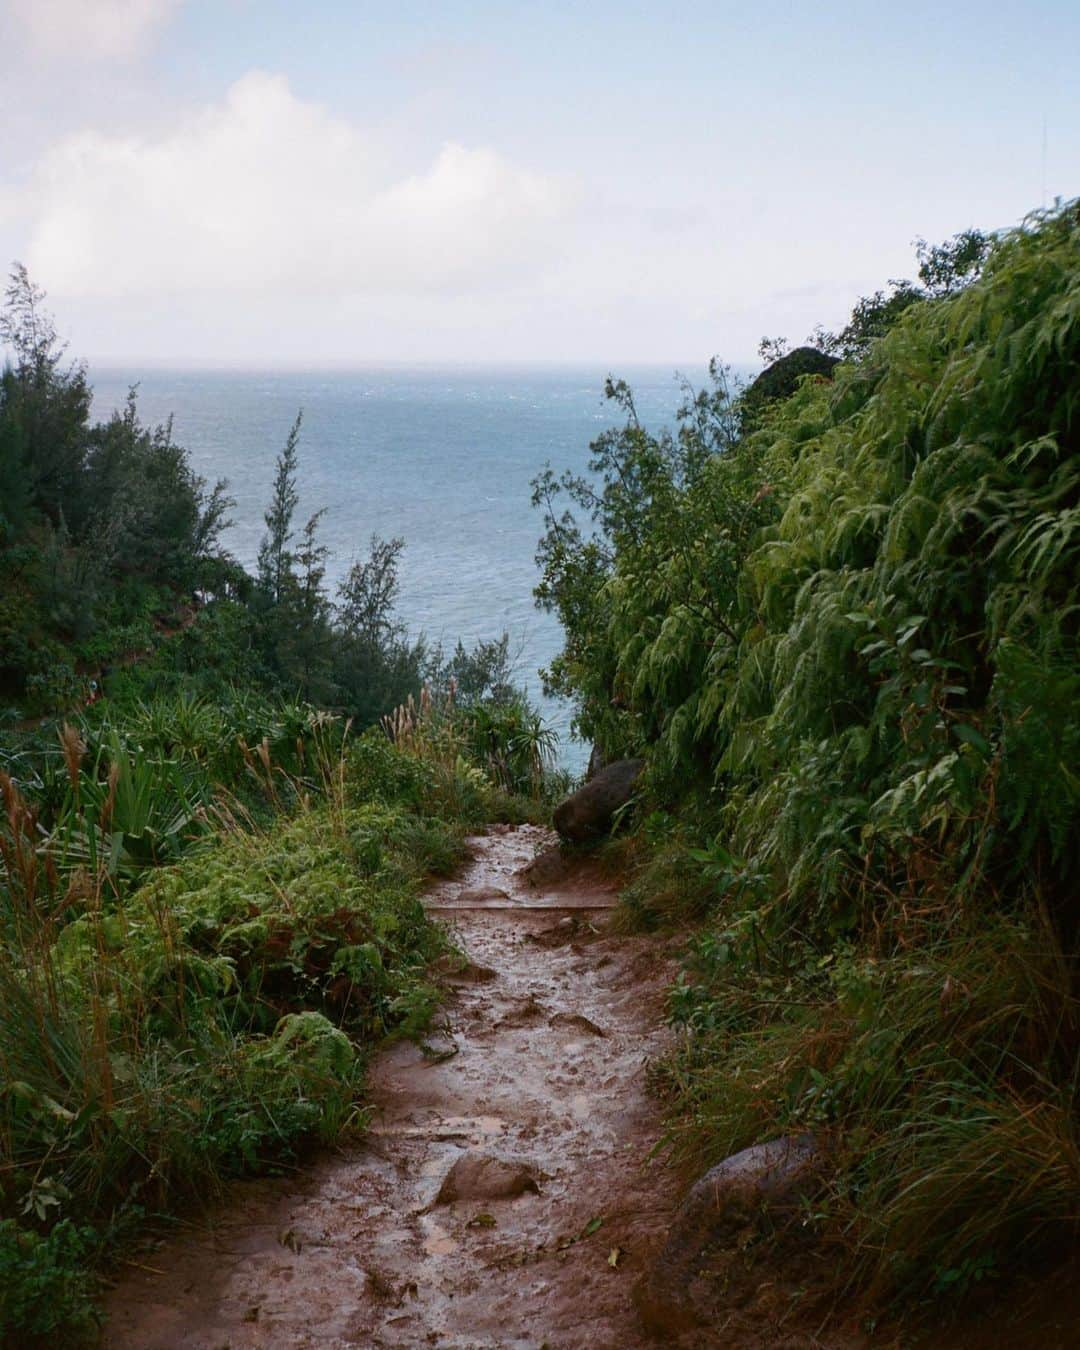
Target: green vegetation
[[209, 870], [837, 613], [116, 580], [843, 630], [191, 978]]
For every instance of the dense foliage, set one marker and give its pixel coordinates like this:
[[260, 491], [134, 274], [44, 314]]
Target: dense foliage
[[115, 580], [191, 976], [209, 882], [103, 527], [847, 642]]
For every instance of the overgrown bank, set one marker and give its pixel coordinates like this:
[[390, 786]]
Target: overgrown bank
[[162, 1029], [208, 872], [842, 626]]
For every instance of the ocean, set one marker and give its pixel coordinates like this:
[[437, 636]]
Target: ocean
[[440, 458]]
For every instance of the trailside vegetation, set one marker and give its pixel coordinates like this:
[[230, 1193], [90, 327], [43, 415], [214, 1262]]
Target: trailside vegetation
[[116, 581], [843, 630], [191, 982], [211, 852]]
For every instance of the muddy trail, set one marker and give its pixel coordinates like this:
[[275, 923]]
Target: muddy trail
[[535, 1077], [506, 1193]]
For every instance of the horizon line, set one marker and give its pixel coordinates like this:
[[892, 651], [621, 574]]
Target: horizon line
[[251, 366]]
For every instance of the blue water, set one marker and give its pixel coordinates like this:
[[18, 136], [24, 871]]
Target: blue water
[[442, 459]]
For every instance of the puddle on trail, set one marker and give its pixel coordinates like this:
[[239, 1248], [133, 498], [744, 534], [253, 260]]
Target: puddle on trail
[[356, 1252]]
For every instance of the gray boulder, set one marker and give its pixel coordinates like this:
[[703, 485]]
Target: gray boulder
[[589, 811], [758, 1187]]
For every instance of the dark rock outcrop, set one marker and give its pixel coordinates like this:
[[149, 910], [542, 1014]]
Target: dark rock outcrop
[[589, 811], [780, 380], [761, 1186]]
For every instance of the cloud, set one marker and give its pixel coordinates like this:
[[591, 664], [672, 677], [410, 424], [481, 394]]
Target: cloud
[[101, 29], [268, 192]]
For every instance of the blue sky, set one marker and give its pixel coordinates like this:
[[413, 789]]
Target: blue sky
[[258, 182]]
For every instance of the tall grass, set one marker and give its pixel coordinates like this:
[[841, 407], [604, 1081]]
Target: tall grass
[[937, 1066], [847, 643], [206, 1010], [508, 742]]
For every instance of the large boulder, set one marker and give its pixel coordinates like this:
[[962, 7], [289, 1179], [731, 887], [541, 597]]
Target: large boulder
[[589, 811], [757, 1188]]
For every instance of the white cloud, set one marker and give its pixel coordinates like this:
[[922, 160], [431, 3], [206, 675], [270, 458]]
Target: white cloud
[[104, 29], [266, 192]]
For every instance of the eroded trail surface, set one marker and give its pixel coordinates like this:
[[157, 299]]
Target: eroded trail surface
[[535, 1086]]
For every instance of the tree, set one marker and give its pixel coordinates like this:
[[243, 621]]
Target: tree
[[50, 405], [376, 666], [946, 268], [276, 561], [14, 478], [637, 542], [140, 488], [367, 596], [312, 633], [871, 318]]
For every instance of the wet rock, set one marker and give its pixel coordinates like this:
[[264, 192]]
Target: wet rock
[[589, 811], [529, 1010], [456, 969], [576, 1022], [759, 1186], [483, 1177], [558, 935], [548, 868], [440, 1046], [479, 895]]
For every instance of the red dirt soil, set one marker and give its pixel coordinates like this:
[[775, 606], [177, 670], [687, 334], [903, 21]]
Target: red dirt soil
[[541, 1065]]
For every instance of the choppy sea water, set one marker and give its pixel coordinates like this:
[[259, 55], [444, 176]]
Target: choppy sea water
[[442, 459]]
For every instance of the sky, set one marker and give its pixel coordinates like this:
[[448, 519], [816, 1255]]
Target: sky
[[267, 183]]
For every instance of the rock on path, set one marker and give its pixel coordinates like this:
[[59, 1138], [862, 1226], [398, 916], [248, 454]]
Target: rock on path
[[410, 1237]]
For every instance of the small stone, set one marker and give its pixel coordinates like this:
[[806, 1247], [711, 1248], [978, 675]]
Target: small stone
[[482, 1177], [576, 1022], [481, 895], [548, 868]]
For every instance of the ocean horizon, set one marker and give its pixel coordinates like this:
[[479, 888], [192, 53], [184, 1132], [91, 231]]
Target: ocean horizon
[[441, 457]]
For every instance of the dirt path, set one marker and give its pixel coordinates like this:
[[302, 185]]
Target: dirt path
[[551, 1028]]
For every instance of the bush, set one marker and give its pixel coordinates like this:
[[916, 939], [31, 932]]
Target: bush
[[45, 1284], [166, 1027], [847, 644]]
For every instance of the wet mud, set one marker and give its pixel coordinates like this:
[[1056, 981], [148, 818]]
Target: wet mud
[[505, 1193]]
